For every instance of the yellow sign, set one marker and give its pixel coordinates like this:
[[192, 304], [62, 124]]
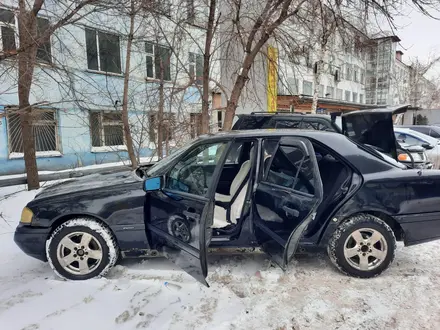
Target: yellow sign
[[272, 79]]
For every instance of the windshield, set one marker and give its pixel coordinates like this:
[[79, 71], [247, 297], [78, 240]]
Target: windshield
[[159, 168]]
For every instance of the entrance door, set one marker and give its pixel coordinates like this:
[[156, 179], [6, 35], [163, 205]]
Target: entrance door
[[287, 196], [180, 214]]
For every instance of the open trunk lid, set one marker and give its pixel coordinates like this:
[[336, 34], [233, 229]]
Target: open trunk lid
[[373, 127]]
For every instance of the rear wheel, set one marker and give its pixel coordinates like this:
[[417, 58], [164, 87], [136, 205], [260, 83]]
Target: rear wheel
[[81, 249], [363, 246]]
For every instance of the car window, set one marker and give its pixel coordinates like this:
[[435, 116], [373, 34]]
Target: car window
[[294, 123], [434, 133], [408, 139], [317, 125], [291, 168], [190, 175], [424, 130]]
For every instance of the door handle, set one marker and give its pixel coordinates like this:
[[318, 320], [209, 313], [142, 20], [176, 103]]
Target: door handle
[[291, 211]]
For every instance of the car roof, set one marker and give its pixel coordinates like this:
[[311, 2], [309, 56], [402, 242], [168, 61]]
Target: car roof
[[270, 132], [415, 133], [424, 126], [285, 114]]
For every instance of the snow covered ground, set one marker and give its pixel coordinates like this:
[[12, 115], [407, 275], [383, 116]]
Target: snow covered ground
[[246, 292]]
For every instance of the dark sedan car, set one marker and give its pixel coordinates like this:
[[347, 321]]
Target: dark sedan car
[[273, 189]]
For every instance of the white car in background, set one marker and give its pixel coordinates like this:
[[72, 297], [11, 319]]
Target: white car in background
[[411, 137]]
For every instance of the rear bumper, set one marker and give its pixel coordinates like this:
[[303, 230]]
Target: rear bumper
[[32, 240]]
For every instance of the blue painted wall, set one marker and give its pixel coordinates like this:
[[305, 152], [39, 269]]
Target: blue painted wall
[[75, 147]]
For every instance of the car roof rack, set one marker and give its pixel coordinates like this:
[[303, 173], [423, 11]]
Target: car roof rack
[[275, 113]]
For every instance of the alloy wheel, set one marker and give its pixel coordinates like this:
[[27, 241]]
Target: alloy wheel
[[79, 253], [365, 249]]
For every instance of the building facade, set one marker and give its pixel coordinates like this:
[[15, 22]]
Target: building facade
[[78, 87]]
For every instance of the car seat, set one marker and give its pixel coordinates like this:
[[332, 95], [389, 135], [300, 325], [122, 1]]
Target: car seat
[[236, 183]]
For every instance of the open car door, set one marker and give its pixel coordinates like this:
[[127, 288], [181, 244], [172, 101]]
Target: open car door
[[179, 209], [288, 194], [373, 127]]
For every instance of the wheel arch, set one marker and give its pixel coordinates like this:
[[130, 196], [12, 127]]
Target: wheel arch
[[66, 217], [382, 215]]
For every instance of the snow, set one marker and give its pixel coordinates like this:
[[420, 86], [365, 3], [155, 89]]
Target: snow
[[38, 154], [143, 160], [246, 291]]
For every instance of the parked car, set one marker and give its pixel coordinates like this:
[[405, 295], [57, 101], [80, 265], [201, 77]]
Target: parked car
[[416, 156], [278, 190], [411, 137], [372, 123], [431, 130]]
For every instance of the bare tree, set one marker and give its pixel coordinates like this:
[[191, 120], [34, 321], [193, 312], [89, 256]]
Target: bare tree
[[31, 38], [127, 132], [422, 92]]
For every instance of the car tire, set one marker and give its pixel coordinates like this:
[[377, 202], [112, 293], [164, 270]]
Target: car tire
[[363, 246], [81, 249]]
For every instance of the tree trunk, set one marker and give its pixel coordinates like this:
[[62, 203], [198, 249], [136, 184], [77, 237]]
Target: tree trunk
[[206, 65], [160, 114], [317, 79], [232, 104], [315, 91], [26, 60], [125, 121]]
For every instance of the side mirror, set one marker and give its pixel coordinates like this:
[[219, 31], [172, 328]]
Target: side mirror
[[153, 184], [427, 146]]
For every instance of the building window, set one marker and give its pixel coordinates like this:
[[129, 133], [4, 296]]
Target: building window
[[190, 11], [44, 127], [158, 61], [347, 96], [44, 50], [361, 98], [349, 72], [103, 51], [363, 77], [106, 129], [195, 124], [307, 87], [7, 31], [167, 126], [196, 67], [330, 92], [292, 84], [355, 74], [321, 91], [355, 97], [339, 94]]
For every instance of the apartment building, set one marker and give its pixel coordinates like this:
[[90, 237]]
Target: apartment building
[[342, 78], [78, 87]]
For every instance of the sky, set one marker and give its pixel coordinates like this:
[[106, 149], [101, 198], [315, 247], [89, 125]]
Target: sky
[[419, 35]]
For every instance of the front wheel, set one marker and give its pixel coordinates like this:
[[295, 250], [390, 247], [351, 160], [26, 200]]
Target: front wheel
[[80, 249], [363, 246]]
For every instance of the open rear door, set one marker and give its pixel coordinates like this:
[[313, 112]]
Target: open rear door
[[180, 214], [287, 196]]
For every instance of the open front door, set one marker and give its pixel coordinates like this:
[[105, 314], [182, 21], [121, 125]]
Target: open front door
[[287, 196], [179, 216]]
